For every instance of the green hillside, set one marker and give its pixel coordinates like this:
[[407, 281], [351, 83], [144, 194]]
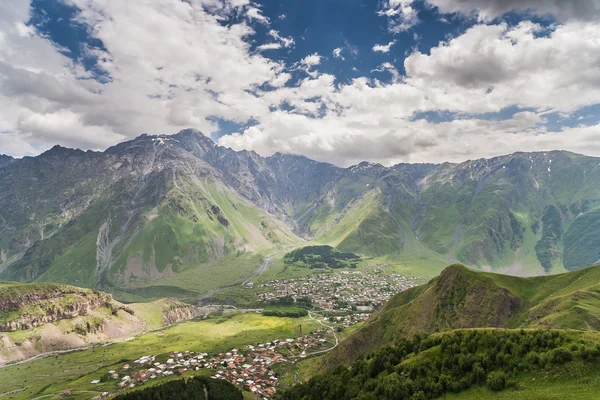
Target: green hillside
[[463, 298], [485, 363]]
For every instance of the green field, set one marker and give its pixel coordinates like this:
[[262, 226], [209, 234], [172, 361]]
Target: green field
[[75, 370]]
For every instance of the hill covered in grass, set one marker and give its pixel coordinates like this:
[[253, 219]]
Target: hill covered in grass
[[485, 360], [463, 298]]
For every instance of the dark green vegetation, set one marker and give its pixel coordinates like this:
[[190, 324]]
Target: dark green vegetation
[[426, 367], [285, 312], [184, 215], [196, 388], [463, 298], [321, 257]]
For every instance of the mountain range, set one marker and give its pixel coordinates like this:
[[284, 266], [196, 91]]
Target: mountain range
[[150, 209]]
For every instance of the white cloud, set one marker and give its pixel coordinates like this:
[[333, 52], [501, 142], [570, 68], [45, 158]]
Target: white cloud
[[491, 67], [383, 48], [312, 60], [486, 69], [337, 53], [200, 69], [401, 14], [24, 30], [180, 65], [285, 41], [389, 67], [281, 79], [255, 14], [268, 46]]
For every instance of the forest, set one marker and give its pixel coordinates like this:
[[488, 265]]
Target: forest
[[321, 257], [196, 388], [428, 366]]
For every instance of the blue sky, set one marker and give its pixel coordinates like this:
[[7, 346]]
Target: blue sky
[[336, 80]]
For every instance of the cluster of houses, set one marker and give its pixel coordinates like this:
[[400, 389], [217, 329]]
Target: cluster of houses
[[250, 369], [350, 291]]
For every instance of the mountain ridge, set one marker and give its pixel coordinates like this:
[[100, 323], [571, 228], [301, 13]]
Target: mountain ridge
[[146, 209]]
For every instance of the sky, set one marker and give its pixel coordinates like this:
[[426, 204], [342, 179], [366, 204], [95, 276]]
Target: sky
[[340, 81]]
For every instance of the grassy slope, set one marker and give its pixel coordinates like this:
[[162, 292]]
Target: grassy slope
[[201, 230], [367, 228], [463, 298], [75, 370]]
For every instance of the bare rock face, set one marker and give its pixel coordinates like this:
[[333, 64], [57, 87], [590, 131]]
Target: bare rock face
[[176, 311], [27, 306]]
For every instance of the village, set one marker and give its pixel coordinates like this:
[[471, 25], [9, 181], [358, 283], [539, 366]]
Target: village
[[351, 296], [343, 298], [250, 368]]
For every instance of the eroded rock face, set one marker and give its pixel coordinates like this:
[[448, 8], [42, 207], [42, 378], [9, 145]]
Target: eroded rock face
[[25, 307], [175, 311]]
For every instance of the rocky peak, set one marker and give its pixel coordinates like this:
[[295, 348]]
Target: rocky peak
[[5, 160], [60, 151], [195, 142]]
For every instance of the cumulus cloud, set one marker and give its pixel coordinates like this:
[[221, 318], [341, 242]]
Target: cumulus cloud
[[182, 66], [312, 60], [268, 46], [485, 70], [255, 14], [498, 66], [402, 14], [202, 69]]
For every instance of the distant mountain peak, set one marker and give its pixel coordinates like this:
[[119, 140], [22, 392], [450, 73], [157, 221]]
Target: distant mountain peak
[[194, 133], [58, 150]]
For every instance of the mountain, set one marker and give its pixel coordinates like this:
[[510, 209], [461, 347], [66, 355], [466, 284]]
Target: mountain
[[158, 210], [141, 211], [462, 298]]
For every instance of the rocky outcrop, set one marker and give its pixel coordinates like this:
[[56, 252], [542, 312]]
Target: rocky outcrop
[[27, 306], [175, 311]]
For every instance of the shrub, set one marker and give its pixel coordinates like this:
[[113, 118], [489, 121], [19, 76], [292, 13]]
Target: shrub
[[496, 381]]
